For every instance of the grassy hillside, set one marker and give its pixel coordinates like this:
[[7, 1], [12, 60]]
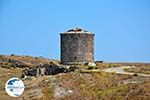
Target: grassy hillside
[[77, 85]]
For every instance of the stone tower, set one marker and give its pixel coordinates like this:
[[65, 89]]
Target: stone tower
[[77, 47]]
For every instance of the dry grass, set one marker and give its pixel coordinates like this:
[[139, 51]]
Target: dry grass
[[107, 65], [5, 61], [97, 86], [85, 86], [48, 93], [93, 85], [140, 69], [6, 74], [29, 59]]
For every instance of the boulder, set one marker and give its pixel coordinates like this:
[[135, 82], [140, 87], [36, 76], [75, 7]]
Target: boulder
[[52, 69], [91, 64], [32, 72]]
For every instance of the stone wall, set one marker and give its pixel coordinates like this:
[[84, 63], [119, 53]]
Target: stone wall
[[77, 48]]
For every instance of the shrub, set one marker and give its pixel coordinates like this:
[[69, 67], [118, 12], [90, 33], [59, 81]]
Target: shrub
[[12, 54], [90, 67], [36, 58], [6, 66], [135, 74]]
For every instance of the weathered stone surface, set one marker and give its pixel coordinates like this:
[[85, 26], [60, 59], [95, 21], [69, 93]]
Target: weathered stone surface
[[53, 69], [48, 69], [99, 61], [77, 47], [32, 72], [91, 64]]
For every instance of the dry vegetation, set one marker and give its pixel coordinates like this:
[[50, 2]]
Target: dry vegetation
[[107, 65], [81, 85], [140, 69], [23, 61], [102, 86], [5, 74]]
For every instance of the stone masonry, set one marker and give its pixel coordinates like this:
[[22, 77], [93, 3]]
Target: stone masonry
[[77, 47]]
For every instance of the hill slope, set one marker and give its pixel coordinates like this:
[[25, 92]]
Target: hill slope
[[77, 85]]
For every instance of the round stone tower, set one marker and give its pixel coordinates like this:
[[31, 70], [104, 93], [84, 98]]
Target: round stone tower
[[77, 47]]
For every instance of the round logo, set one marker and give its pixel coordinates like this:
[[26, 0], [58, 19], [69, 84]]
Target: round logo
[[14, 87]]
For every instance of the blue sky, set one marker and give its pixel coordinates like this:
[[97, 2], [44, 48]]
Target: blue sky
[[32, 27]]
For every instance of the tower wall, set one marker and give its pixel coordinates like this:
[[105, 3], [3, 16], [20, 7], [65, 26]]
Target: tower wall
[[77, 48]]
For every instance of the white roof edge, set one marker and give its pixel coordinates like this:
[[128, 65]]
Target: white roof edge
[[76, 33]]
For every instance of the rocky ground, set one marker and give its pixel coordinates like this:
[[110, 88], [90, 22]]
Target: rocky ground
[[85, 83]]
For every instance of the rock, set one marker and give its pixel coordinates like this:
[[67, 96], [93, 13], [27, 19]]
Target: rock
[[18, 63], [42, 71], [24, 76], [48, 69], [53, 69], [91, 64], [70, 91], [99, 61], [72, 68], [32, 72]]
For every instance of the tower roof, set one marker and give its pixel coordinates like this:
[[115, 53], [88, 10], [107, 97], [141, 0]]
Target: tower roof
[[76, 31]]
